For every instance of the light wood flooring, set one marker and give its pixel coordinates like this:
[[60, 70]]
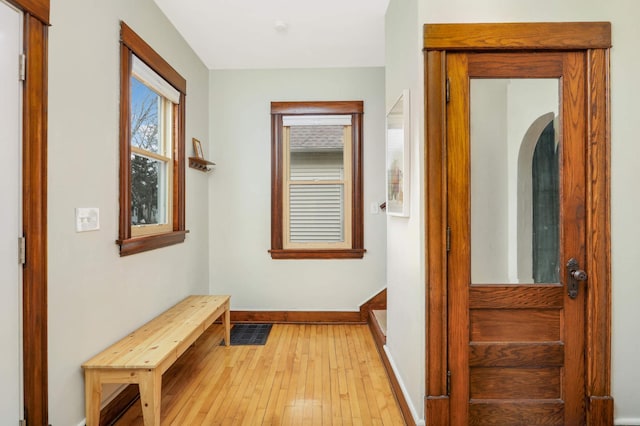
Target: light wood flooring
[[304, 375]]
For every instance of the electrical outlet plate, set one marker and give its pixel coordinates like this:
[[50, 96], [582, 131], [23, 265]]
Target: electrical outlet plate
[[87, 219]]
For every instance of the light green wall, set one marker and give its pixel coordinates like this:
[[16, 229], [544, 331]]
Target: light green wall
[[96, 297], [405, 236], [240, 194]]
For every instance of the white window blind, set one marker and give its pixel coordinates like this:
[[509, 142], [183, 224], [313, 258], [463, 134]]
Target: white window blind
[[152, 79], [313, 166], [316, 120], [316, 213]]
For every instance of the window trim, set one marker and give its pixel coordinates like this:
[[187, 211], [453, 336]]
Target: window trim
[[280, 109], [132, 44]]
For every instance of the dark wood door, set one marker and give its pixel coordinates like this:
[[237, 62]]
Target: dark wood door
[[516, 343]]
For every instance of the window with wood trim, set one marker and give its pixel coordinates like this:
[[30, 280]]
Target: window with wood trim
[[316, 180], [152, 117]]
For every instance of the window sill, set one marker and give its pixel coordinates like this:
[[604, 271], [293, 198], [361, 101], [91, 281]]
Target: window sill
[[317, 254], [150, 242]]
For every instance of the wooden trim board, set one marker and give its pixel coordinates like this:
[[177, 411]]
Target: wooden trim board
[[280, 317], [518, 36], [395, 384], [379, 301], [376, 330], [39, 9]]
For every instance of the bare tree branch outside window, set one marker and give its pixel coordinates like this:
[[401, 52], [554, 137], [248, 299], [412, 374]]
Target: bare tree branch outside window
[[146, 172]]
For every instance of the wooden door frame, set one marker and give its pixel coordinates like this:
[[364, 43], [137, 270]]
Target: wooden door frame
[[34, 210], [593, 38]]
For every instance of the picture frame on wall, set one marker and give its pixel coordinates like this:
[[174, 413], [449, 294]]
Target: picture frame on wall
[[398, 153], [197, 149]]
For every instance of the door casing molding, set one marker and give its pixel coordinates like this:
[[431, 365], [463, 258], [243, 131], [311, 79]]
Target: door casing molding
[[34, 210], [594, 38]]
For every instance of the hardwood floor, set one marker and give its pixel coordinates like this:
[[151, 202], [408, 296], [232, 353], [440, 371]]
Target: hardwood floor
[[305, 374]]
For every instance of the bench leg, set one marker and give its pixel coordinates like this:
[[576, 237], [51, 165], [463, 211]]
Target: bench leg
[[227, 326], [150, 391], [92, 397]]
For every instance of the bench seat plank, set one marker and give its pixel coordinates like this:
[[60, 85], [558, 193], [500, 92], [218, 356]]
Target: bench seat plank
[[145, 354]]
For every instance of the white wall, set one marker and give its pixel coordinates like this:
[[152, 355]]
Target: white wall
[[625, 228], [240, 194], [95, 296], [405, 236]]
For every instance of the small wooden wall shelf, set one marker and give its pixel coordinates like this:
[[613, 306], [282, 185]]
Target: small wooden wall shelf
[[200, 164]]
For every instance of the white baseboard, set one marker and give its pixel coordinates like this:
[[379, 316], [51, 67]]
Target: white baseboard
[[629, 421], [414, 412]]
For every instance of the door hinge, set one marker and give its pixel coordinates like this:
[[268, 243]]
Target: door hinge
[[448, 239], [22, 64], [448, 382], [22, 251], [448, 90]]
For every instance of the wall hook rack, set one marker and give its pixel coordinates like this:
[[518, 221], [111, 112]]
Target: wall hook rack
[[201, 164]]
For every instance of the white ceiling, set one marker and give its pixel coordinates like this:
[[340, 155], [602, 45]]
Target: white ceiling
[[242, 34]]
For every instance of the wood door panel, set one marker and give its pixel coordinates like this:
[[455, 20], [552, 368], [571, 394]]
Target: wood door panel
[[547, 354], [514, 325], [514, 383], [502, 65], [516, 296], [520, 413]]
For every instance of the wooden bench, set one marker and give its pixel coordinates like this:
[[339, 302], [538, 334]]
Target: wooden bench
[[144, 355]]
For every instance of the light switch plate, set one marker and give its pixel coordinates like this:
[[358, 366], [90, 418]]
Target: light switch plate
[[87, 219]]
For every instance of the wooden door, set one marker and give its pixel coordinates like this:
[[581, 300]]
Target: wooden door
[[516, 341], [466, 379]]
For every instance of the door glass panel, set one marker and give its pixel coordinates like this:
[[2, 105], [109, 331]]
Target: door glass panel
[[514, 181]]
